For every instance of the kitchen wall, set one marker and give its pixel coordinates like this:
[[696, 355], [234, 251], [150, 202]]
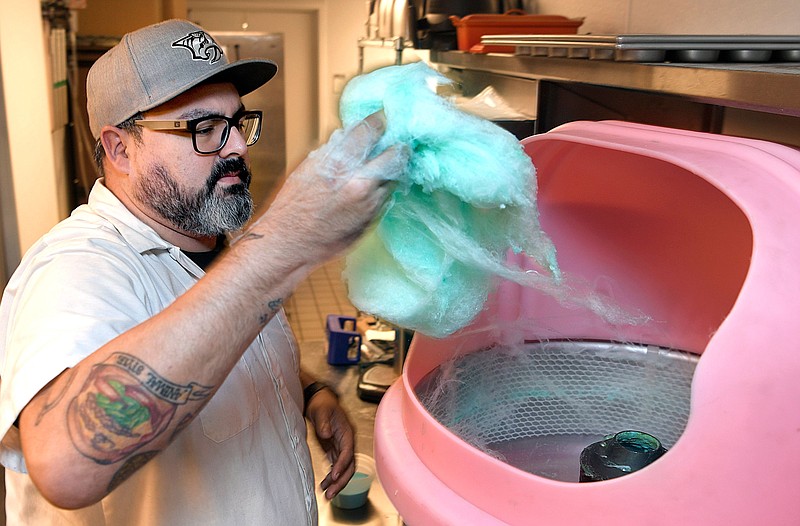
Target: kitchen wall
[[680, 16], [34, 196], [117, 17], [8, 230]]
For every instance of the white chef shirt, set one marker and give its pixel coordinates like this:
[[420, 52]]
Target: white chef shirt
[[243, 461]]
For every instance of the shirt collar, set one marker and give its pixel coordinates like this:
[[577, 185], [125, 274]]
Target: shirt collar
[[135, 232]]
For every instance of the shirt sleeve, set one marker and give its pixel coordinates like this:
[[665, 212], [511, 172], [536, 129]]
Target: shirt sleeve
[[59, 308]]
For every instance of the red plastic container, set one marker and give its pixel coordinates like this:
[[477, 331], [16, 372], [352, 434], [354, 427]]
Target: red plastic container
[[471, 28]]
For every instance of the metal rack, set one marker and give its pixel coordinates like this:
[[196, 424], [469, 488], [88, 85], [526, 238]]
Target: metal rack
[[765, 87], [656, 48]]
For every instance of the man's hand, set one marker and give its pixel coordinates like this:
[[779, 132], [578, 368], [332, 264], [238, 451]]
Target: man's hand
[[331, 198], [337, 438]]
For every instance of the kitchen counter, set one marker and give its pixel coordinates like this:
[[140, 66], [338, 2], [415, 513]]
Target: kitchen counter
[[765, 87], [379, 510]]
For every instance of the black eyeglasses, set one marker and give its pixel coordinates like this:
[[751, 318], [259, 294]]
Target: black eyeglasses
[[209, 134]]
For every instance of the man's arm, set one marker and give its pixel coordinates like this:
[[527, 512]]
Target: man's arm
[[95, 424], [333, 430]]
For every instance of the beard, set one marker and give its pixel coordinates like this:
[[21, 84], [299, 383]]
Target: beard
[[211, 211]]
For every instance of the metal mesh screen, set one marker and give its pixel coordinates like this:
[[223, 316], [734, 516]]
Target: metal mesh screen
[[560, 389]]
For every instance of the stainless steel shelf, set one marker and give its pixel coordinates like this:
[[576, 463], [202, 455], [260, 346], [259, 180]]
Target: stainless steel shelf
[[394, 42], [766, 87]]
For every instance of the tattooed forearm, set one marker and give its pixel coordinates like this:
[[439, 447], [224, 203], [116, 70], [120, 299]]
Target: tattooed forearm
[[50, 404], [129, 468], [272, 308], [124, 405]]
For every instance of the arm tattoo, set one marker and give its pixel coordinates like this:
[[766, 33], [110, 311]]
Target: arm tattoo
[[50, 404], [124, 405], [129, 468], [274, 306]]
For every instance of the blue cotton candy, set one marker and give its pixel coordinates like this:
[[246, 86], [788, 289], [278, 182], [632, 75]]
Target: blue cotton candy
[[468, 195]]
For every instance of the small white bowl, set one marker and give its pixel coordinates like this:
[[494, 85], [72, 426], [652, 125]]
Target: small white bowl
[[355, 494]]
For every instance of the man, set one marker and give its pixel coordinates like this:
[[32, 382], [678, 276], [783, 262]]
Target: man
[[137, 388]]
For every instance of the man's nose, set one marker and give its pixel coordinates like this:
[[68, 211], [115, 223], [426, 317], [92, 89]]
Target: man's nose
[[235, 145]]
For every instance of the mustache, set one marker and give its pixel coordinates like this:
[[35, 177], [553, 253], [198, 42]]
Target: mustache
[[226, 166]]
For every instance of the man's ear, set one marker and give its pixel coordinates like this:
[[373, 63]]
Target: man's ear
[[115, 142]]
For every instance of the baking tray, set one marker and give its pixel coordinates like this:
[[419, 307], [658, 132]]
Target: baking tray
[[656, 48]]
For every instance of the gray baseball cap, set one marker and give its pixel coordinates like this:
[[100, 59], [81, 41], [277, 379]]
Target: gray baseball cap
[[157, 63]]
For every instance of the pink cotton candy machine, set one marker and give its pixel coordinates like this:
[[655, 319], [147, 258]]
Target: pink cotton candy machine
[[700, 233]]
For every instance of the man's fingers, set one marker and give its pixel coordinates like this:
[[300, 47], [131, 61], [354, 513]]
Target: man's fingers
[[347, 149], [376, 123], [390, 165]]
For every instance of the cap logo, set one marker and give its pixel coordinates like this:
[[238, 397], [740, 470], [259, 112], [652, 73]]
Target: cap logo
[[201, 45]]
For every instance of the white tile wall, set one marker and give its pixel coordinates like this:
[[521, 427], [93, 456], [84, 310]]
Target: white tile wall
[[603, 17], [680, 16]]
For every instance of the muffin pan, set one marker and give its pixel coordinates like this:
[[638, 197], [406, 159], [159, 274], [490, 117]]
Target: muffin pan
[[656, 48]]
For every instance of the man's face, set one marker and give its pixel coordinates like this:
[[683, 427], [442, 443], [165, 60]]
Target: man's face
[[202, 195], [208, 211]]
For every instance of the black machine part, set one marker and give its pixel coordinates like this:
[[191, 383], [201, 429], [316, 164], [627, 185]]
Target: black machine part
[[619, 454]]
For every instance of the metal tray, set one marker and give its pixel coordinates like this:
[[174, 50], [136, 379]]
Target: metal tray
[[656, 48]]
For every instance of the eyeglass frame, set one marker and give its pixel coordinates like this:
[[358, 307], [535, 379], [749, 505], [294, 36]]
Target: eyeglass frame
[[190, 126]]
